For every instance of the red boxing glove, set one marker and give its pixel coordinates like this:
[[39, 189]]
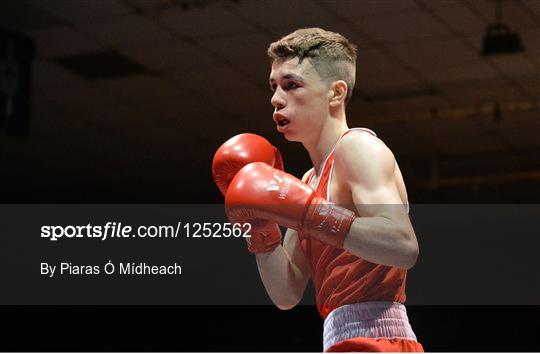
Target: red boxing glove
[[239, 151], [259, 191], [265, 236], [234, 154]]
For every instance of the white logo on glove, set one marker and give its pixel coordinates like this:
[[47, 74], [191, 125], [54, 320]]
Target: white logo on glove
[[275, 185]]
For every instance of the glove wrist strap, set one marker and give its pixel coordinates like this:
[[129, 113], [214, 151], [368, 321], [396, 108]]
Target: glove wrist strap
[[328, 222], [264, 240]]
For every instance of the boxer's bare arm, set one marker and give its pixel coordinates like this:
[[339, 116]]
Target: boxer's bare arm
[[285, 271], [383, 233]]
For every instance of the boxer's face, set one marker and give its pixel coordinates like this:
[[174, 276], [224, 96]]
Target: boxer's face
[[300, 99]]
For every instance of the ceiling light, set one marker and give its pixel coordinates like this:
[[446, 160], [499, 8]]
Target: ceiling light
[[499, 39]]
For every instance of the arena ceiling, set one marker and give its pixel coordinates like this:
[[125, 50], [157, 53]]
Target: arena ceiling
[[118, 82]]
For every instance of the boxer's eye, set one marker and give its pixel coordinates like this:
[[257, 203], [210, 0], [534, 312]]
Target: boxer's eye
[[291, 86]]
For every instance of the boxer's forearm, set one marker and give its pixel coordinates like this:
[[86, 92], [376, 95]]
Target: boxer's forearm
[[382, 241], [282, 280]]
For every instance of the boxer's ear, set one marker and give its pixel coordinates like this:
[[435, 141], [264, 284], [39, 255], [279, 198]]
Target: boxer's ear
[[338, 92]]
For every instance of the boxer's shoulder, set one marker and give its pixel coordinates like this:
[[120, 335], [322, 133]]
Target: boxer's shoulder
[[360, 146], [363, 158], [360, 136]]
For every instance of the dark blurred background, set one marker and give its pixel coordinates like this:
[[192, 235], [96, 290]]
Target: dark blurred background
[[116, 101]]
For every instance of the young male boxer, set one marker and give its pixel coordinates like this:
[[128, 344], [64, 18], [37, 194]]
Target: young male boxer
[[348, 227]]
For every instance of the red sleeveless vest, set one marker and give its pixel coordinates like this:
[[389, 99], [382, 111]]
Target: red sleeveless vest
[[341, 278]]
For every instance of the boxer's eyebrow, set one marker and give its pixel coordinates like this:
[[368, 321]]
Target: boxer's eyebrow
[[289, 76], [294, 77]]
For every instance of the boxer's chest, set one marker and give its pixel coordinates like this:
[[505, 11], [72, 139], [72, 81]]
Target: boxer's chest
[[332, 186]]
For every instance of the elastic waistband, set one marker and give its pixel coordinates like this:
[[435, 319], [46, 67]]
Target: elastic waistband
[[376, 319]]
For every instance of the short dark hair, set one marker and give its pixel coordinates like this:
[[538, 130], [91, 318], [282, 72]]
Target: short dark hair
[[330, 53]]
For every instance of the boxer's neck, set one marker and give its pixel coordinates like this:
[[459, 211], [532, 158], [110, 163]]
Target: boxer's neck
[[320, 148]]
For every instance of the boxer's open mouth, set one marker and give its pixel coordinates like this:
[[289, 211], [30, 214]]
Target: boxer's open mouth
[[280, 120]]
